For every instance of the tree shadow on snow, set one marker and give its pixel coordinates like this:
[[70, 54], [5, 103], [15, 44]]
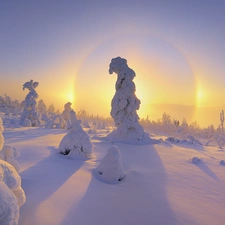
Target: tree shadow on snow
[[30, 133], [202, 166], [140, 198], [42, 180]]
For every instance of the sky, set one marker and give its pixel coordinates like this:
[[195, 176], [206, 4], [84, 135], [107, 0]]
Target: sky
[[175, 47]]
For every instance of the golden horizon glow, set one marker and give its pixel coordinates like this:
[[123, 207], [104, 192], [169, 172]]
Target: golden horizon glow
[[200, 98]]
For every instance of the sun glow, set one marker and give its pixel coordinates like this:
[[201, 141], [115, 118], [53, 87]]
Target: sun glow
[[70, 96], [200, 98]]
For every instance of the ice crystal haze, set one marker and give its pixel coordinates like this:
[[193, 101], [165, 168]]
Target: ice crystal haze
[[124, 106]]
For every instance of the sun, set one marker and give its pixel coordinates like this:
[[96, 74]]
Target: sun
[[70, 96], [200, 98]]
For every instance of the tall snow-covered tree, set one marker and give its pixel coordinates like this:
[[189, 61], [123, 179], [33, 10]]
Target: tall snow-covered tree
[[29, 111], [125, 105]]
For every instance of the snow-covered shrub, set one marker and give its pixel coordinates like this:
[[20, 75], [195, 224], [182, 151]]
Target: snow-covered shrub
[[76, 143], [12, 195], [29, 110], [195, 160], [110, 169], [41, 108], [51, 109], [26, 123], [124, 105], [189, 140], [222, 162], [9, 154], [194, 140], [217, 139], [86, 124], [54, 122]]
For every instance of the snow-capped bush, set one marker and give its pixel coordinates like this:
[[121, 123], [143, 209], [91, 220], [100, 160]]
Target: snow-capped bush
[[124, 105], [41, 107], [76, 143], [195, 160], [9, 154], [54, 122], [12, 195], [26, 122], [110, 169], [189, 140]]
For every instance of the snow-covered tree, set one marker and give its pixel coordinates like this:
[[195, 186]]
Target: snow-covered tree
[[222, 120], [29, 111], [124, 105], [12, 195], [110, 169], [41, 107], [8, 153], [76, 143], [51, 109], [66, 115]]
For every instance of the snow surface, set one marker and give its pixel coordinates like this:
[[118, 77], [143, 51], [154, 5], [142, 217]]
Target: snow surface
[[160, 186]]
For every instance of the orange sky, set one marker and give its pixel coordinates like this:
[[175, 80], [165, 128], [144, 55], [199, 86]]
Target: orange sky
[[67, 48]]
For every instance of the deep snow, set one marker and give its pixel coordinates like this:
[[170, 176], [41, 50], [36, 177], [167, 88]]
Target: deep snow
[[161, 185]]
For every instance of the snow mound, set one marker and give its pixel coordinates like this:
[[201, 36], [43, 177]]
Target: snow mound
[[130, 137], [12, 195], [222, 162], [195, 160], [190, 140], [26, 123], [9, 154], [110, 169], [76, 143]]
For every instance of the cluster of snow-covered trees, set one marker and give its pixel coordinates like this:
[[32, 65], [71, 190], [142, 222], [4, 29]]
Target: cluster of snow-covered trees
[[9, 106], [77, 142]]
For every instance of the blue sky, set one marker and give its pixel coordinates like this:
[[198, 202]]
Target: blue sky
[[67, 46]]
